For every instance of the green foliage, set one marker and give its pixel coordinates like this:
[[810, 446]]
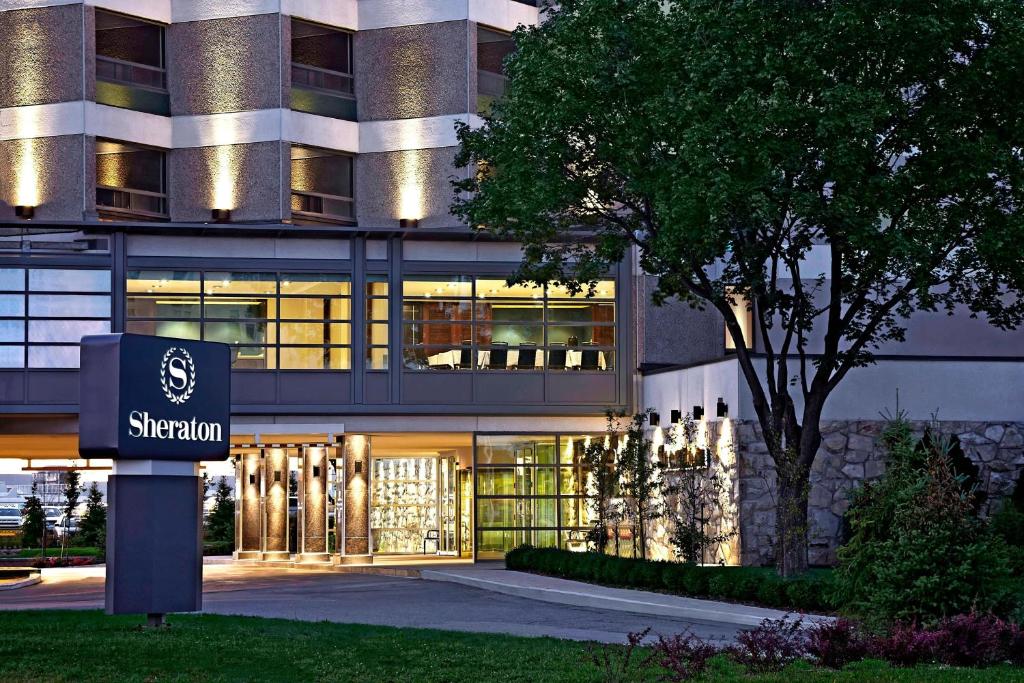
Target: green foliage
[[726, 140], [754, 585], [92, 529], [220, 525], [918, 552], [33, 520], [74, 551]]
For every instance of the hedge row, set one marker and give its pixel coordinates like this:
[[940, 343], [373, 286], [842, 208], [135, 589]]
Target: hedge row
[[742, 584]]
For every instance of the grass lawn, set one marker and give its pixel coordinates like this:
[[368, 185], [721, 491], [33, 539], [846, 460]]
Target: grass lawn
[[88, 646]]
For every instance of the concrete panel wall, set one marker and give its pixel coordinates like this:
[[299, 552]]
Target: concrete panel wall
[[248, 179], [225, 65], [41, 55], [406, 184], [675, 333], [46, 173], [412, 71]]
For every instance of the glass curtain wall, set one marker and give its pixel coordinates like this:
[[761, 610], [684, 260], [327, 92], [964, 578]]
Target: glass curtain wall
[[283, 321], [44, 312], [531, 489], [465, 323]]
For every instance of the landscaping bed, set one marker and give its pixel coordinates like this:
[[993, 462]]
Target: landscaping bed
[[752, 585], [88, 646]]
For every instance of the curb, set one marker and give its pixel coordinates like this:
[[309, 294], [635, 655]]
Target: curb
[[697, 610], [30, 581]]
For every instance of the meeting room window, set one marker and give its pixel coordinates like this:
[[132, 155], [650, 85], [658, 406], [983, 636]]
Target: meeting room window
[[492, 48], [377, 322], [464, 323], [45, 312], [131, 181], [322, 186], [272, 321]]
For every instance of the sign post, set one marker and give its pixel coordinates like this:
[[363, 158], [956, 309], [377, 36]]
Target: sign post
[[157, 407]]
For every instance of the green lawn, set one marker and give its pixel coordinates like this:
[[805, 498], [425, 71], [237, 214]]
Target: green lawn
[[54, 551], [87, 646]]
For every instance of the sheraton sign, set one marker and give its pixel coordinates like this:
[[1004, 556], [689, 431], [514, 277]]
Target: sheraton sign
[[151, 398]]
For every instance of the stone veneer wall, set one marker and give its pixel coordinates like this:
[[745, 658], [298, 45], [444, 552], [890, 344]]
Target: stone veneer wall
[[850, 453]]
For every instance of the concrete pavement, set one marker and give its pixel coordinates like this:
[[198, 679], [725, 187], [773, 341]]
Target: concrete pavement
[[365, 598]]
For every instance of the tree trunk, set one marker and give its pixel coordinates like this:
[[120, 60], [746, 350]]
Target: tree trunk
[[791, 520]]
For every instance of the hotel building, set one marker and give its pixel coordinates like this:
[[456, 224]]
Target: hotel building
[[276, 175]]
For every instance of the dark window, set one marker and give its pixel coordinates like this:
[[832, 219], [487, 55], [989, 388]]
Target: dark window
[[322, 81], [131, 181], [129, 51], [322, 185], [492, 48]]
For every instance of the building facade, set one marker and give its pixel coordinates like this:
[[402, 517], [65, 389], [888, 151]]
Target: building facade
[[276, 175]]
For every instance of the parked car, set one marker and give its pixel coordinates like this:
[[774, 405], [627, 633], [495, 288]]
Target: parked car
[[66, 525], [10, 516]]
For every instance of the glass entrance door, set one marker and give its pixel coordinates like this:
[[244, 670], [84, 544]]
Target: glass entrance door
[[404, 505], [448, 475]]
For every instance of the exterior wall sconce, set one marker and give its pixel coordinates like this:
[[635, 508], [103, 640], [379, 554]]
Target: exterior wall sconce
[[359, 466], [408, 222], [316, 471], [252, 479], [698, 412], [722, 408], [221, 215], [24, 211], [676, 416], [654, 419], [277, 475]]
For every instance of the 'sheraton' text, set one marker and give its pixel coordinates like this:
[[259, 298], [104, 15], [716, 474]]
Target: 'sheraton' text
[[141, 425]]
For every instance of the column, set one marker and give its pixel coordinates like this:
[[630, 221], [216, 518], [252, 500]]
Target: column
[[313, 489], [357, 500], [275, 504], [248, 522]]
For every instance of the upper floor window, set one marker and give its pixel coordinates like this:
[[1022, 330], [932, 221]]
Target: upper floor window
[[322, 185], [45, 312], [130, 67], [287, 321], [462, 323], [322, 79], [492, 48], [131, 181]]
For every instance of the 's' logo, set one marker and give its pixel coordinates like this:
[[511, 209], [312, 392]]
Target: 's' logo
[[177, 375]]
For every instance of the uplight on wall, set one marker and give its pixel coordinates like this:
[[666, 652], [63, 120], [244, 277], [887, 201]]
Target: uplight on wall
[[698, 412], [26, 212], [408, 222], [221, 215], [721, 408]]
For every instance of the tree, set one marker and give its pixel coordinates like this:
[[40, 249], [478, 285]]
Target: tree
[[33, 520], [599, 458], [72, 492], [728, 143], [220, 525], [640, 479], [92, 530]]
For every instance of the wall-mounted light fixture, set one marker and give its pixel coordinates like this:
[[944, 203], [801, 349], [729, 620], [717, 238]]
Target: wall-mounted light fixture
[[24, 211], [698, 412], [654, 419], [359, 466], [722, 408], [252, 479], [408, 222], [316, 471], [277, 475], [221, 215], [676, 416]]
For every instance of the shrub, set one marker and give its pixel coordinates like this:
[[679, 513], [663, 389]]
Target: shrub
[[918, 552], [836, 643], [682, 656], [771, 646]]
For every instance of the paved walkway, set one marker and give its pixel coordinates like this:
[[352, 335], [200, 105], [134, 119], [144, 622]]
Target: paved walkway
[[366, 598], [565, 592]]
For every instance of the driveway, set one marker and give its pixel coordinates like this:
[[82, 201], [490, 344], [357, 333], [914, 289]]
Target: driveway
[[370, 599]]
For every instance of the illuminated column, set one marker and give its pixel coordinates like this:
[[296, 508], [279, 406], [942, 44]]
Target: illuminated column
[[275, 504], [357, 499], [248, 536], [313, 526]]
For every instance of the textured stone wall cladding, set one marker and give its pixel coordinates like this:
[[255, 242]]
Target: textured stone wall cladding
[[850, 453], [225, 65], [412, 71], [89, 52], [406, 184], [45, 173], [41, 55], [243, 178], [675, 333]]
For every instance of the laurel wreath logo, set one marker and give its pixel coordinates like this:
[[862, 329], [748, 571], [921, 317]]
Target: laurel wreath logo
[[169, 392]]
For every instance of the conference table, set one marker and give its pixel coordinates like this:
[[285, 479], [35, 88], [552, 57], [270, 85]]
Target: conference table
[[451, 358]]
